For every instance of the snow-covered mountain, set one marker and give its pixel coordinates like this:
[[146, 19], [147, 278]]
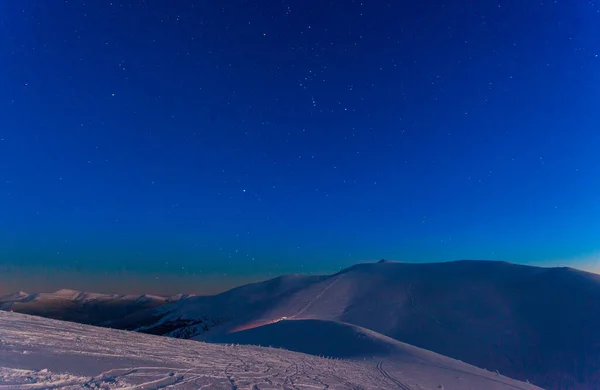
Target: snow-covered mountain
[[84, 307], [533, 323], [80, 296], [40, 353]]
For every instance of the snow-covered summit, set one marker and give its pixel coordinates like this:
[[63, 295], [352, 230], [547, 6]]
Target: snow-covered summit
[[15, 297], [480, 312]]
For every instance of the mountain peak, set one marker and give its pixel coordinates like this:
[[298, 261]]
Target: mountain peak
[[18, 296], [65, 291]]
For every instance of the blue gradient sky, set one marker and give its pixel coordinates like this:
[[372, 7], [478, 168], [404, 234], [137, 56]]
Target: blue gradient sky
[[213, 143]]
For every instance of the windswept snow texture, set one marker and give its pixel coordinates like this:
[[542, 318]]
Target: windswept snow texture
[[83, 307], [40, 353], [529, 323]]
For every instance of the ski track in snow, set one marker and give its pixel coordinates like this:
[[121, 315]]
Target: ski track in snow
[[38, 353], [401, 385], [309, 304]]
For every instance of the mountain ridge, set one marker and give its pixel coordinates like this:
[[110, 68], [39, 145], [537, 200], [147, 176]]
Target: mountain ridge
[[527, 322]]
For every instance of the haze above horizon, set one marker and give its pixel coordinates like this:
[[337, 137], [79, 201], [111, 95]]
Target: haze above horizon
[[194, 285]]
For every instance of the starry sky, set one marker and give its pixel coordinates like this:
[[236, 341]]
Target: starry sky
[[195, 145]]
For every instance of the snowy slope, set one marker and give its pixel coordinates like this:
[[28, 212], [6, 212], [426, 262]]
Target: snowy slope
[[238, 306], [317, 337], [349, 342], [39, 353], [533, 323]]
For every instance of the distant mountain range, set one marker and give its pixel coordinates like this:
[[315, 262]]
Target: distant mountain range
[[83, 307], [529, 323]]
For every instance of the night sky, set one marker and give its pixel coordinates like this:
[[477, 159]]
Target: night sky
[[170, 146]]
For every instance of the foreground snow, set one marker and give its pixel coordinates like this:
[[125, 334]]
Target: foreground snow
[[38, 353]]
